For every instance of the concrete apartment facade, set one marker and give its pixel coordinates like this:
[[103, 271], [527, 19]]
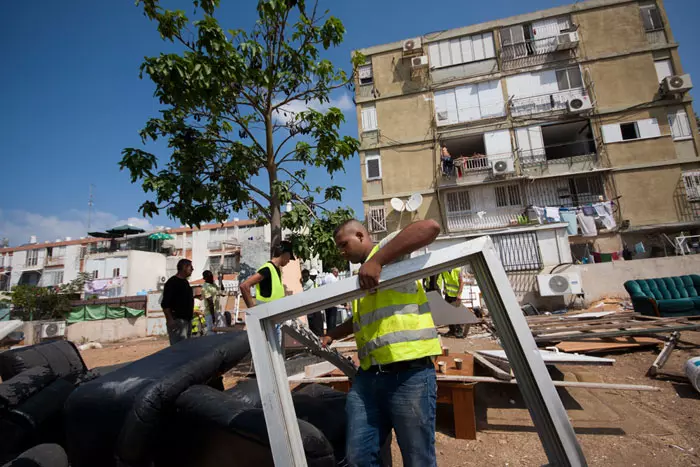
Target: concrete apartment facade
[[136, 264], [565, 107]]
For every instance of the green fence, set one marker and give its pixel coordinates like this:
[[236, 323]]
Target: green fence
[[111, 308]]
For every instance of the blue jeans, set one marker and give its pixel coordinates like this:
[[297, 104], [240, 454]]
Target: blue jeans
[[404, 401]]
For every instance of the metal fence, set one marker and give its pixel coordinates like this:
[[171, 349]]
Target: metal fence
[[519, 251], [566, 191]]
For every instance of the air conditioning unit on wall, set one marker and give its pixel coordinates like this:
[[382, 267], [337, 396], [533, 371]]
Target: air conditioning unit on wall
[[419, 62], [412, 45], [579, 104], [677, 84], [559, 284], [502, 165], [567, 40], [51, 330]]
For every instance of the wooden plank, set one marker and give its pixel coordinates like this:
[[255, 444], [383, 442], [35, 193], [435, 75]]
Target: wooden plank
[[598, 345], [318, 369], [493, 369], [303, 334], [626, 332], [489, 379], [463, 411], [554, 358]]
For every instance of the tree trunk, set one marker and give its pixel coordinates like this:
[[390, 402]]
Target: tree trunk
[[275, 214]]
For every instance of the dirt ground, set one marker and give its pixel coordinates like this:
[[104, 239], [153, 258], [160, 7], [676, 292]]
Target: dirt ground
[[630, 428]]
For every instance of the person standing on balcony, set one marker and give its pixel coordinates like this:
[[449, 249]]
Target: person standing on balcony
[[452, 284], [178, 303], [396, 385], [268, 279], [448, 167]]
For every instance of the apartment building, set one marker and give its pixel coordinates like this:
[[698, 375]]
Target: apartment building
[[137, 263], [576, 107]]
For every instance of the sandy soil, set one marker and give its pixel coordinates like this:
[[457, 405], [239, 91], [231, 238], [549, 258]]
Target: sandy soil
[[614, 427]]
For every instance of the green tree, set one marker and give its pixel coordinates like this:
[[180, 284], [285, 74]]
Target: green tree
[[317, 239], [227, 116], [30, 302]]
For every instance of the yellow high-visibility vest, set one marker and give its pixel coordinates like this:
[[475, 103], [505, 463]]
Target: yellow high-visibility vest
[[277, 290], [394, 325], [451, 281]]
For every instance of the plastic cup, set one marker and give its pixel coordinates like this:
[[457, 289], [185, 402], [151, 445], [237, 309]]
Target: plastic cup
[[442, 367], [445, 351], [458, 363]]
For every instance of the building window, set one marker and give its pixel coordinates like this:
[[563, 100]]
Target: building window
[[231, 264], [630, 131], [115, 272], [508, 195], [469, 102], [518, 251], [664, 68], [680, 125], [651, 18], [95, 274], [458, 202], [461, 50], [364, 73], [32, 257], [569, 78], [369, 117], [376, 219], [373, 166], [691, 180]]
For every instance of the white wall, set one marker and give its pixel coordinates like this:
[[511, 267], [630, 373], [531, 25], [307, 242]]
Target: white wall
[[18, 259], [71, 265], [107, 330], [200, 252], [106, 264], [144, 269]]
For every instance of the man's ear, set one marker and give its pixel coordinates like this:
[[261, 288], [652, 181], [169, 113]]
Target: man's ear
[[360, 235]]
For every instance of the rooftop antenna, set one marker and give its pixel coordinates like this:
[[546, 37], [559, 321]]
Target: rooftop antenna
[[90, 203]]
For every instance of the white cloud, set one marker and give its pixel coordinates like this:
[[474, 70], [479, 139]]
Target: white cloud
[[18, 225], [286, 113]]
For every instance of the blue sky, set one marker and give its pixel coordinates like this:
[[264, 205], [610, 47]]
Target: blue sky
[[71, 98]]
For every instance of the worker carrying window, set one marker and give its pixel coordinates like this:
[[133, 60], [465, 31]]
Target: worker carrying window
[[395, 386], [452, 284], [268, 279]]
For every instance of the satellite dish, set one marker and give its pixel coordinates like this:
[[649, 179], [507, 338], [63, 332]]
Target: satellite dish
[[397, 204], [414, 202]]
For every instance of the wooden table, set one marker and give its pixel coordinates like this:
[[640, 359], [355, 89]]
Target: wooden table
[[459, 395]]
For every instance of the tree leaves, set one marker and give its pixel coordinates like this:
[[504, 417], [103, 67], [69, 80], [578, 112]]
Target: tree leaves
[[221, 93]]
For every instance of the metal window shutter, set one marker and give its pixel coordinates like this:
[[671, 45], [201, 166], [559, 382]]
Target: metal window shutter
[[648, 128], [489, 49], [545, 28], [497, 142], [478, 45], [663, 69], [611, 133], [467, 103], [491, 101], [445, 58], [456, 52], [434, 54], [467, 50]]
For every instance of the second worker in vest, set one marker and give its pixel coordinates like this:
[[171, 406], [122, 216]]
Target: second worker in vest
[[268, 278], [396, 340], [452, 284]]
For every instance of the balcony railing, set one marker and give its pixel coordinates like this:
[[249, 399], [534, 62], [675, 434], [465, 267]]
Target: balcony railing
[[492, 219], [549, 102], [55, 260], [548, 45], [562, 153], [462, 167], [226, 244], [656, 36]]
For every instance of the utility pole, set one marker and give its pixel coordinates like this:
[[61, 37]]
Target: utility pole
[[90, 203]]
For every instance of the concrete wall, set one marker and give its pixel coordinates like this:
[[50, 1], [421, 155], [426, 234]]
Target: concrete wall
[[610, 30], [623, 81], [107, 330], [144, 269], [405, 118], [651, 196]]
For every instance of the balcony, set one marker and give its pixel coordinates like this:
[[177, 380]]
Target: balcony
[[548, 102], [231, 244], [55, 261], [539, 51], [484, 220], [121, 247]]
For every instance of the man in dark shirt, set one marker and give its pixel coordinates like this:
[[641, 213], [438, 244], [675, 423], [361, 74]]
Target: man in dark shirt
[[178, 303]]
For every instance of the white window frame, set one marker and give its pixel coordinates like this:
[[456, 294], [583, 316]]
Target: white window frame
[[371, 156], [646, 10], [376, 219], [32, 257], [646, 129], [567, 72], [665, 61], [368, 114], [680, 125], [365, 70], [550, 418], [442, 54]]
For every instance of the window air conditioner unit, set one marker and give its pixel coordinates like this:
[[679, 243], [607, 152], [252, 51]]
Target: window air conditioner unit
[[567, 40], [502, 165], [559, 284], [50, 330], [161, 281], [579, 104], [419, 62], [677, 84], [412, 45]]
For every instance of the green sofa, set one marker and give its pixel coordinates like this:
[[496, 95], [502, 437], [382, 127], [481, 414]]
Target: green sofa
[[666, 296]]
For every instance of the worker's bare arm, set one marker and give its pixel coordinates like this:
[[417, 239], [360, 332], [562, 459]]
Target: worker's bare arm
[[245, 288]]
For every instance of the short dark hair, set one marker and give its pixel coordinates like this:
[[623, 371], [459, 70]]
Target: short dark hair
[[345, 224], [207, 274], [182, 263], [305, 271]]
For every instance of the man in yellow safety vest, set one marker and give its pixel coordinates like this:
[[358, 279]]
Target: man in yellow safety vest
[[396, 340], [452, 284], [268, 278]]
